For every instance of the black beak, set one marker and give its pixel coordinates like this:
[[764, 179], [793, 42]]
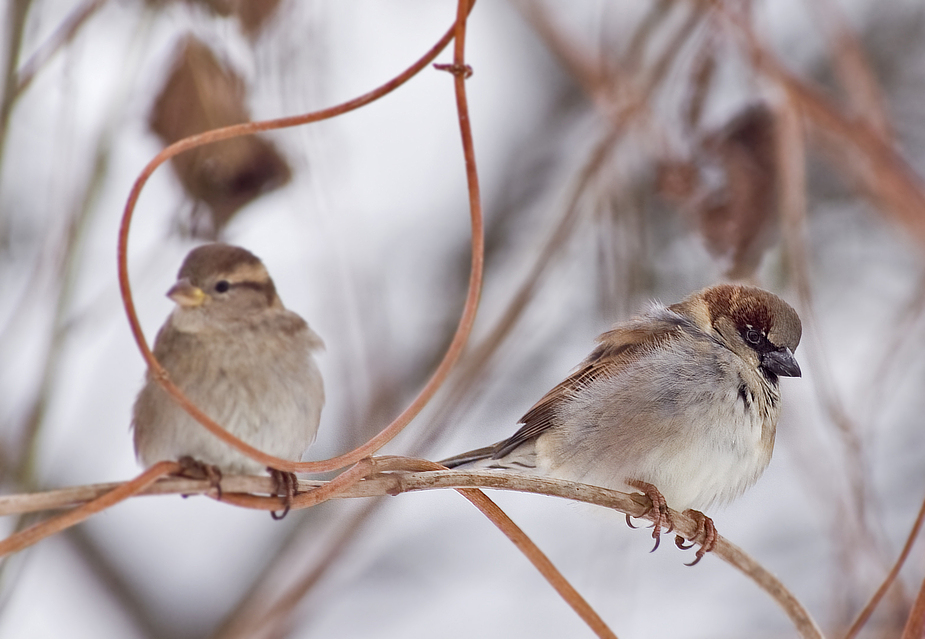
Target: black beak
[[781, 362]]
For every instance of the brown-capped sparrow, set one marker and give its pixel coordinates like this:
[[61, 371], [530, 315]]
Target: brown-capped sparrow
[[680, 402], [242, 358]]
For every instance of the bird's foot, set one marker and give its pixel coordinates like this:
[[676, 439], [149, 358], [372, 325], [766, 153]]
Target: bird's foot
[[658, 510], [286, 487], [706, 532], [195, 469]]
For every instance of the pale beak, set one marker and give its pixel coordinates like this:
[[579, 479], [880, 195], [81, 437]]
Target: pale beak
[[185, 294], [781, 362]]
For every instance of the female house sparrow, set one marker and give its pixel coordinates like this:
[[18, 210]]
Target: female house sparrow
[[681, 402], [242, 358]]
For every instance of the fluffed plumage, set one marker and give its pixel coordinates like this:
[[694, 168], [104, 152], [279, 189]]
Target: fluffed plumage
[[682, 398], [241, 357]]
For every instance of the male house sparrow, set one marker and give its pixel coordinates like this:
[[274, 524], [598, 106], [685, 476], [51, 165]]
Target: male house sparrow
[[242, 358], [681, 402]]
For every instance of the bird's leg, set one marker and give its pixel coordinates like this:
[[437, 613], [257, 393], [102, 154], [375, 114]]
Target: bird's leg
[[286, 487], [658, 511], [195, 469], [705, 530]]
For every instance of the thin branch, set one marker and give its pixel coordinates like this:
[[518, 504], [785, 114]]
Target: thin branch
[[868, 610], [394, 483], [62, 35], [324, 492], [33, 534], [519, 538], [603, 87], [915, 626], [17, 12], [539, 560]]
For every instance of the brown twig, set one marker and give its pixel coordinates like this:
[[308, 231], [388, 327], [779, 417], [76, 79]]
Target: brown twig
[[76, 495], [61, 36], [467, 318], [627, 504], [517, 536], [539, 560], [15, 25], [395, 482], [346, 485], [868, 610], [309, 498], [915, 625], [33, 534]]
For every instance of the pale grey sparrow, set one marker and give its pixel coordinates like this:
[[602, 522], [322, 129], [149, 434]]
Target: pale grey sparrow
[[681, 402], [241, 357]]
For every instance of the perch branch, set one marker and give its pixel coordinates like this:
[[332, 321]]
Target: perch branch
[[868, 610], [397, 482], [118, 492]]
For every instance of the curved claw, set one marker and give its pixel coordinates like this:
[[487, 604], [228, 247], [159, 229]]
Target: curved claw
[[195, 469], [630, 523], [706, 531], [658, 510], [669, 520], [278, 517], [679, 541], [286, 488], [697, 557]]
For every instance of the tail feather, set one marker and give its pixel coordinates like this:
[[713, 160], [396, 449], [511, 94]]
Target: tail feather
[[522, 458], [467, 458]]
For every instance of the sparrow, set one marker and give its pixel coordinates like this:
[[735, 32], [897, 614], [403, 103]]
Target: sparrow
[[241, 357], [680, 402]]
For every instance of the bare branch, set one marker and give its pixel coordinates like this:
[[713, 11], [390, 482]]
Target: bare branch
[[397, 482], [33, 534], [868, 610]]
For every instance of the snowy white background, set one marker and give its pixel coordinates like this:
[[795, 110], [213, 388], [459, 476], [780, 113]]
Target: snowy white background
[[369, 242]]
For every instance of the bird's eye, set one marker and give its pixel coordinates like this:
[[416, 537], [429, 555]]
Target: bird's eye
[[222, 286], [752, 336]]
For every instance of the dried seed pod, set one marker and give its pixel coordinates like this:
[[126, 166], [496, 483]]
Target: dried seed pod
[[729, 189], [739, 219], [201, 94]]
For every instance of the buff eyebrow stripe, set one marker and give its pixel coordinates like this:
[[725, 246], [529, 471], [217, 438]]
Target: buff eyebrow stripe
[[257, 286]]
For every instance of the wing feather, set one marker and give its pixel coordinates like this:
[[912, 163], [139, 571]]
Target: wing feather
[[616, 349]]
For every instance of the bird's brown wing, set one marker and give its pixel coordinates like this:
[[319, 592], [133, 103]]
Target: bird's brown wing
[[616, 349]]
